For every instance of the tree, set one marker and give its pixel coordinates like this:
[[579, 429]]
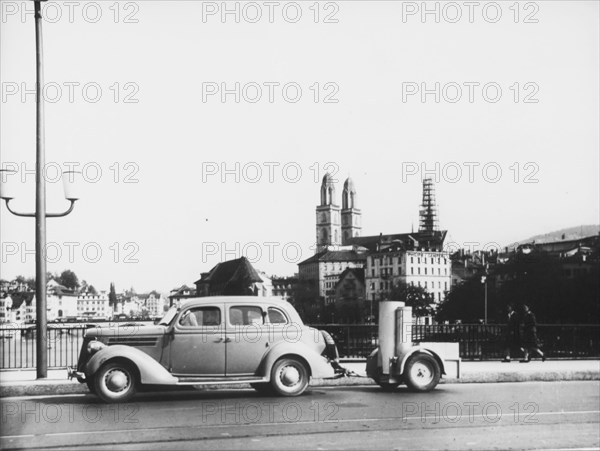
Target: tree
[[417, 297], [92, 290], [69, 279], [112, 296], [307, 301], [465, 302]]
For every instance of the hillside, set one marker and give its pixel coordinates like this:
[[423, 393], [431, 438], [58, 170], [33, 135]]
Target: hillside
[[570, 233]]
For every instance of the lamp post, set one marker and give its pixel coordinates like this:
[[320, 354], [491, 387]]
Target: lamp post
[[40, 214], [484, 282]]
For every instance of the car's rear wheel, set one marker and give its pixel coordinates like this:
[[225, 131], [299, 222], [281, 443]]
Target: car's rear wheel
[[422, 372], [289, 377], [115, 382]]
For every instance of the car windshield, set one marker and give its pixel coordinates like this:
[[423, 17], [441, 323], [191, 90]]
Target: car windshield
[[166, 320]]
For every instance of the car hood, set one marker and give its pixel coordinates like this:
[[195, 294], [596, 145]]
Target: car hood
[[124, 331]]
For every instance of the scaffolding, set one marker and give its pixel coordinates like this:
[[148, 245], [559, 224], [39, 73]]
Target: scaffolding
[[428, 216]]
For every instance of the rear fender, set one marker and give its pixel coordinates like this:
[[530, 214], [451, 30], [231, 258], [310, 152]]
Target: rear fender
[[151, 372], [318, 365]]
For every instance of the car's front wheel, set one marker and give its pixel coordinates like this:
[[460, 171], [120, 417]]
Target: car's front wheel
[[422, 372], [115, 382], [289, 377]]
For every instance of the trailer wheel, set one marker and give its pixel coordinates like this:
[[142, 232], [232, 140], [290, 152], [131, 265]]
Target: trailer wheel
[[385, 386], [422, 372]]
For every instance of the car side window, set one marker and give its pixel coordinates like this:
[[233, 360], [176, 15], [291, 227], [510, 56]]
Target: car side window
[[200, 317], [276, 316], [245, 315]]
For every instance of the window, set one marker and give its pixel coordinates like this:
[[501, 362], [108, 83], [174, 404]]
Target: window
[[276, 316], [201, 316], [412, 260], [425, 270], [245, 315], [412, 270]]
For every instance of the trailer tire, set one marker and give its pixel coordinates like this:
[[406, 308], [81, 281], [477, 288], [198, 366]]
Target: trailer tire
[[385, 386], [422, 372]]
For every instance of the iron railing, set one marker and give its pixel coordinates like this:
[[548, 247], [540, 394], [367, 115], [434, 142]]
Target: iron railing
[[476, 341]]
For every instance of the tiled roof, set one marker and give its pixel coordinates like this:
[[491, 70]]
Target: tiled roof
[[409, 240], [335, 256], [359, 273], [232, 271]]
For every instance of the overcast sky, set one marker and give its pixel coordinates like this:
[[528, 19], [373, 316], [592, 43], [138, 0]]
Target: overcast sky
[[134, 90]]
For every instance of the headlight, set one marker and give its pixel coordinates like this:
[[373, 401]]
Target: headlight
[[95, 346]]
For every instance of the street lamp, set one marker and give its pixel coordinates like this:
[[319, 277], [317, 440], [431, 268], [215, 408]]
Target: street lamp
[[40, 214], [484, 282]]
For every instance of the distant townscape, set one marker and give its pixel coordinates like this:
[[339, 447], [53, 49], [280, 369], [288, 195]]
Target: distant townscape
[[350, 273]]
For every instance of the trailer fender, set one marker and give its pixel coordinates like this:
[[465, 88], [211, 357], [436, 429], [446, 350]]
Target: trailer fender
[[418, 350], [150, 371]]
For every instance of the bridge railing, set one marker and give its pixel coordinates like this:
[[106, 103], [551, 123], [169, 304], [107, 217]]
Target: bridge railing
[[476, 341]]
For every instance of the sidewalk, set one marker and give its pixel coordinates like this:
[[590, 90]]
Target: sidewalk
[[23, 382]]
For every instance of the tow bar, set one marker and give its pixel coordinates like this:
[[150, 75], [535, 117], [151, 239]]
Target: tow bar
[[340, 371]]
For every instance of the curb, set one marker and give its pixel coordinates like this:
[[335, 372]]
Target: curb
[[60, 387]]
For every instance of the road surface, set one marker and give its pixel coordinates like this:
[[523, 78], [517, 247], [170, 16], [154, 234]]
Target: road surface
[[532, 415]]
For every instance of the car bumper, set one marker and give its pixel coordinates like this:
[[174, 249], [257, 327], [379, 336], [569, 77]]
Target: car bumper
[[72, 373]]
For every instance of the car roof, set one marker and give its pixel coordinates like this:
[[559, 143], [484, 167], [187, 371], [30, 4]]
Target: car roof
[[234, 300], [237, 300]]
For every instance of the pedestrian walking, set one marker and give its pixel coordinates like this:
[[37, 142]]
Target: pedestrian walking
[[512, 337], [530, 340]]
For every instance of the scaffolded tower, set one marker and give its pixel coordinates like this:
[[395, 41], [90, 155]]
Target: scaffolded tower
[[428, 217]]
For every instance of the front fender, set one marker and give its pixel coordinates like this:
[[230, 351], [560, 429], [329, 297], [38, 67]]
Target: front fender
[[151, 372], [319, 367]]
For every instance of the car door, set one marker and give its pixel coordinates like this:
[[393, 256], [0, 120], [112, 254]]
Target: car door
[[198, 342], [247, 339]]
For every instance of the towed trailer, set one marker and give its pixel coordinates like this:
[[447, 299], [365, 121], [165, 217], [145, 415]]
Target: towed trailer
[[398, 360]]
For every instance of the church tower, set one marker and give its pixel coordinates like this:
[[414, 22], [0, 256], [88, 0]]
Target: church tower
[[351, 215], [328, 216]]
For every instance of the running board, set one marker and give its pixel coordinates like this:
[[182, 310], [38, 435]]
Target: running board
[[224, 381]]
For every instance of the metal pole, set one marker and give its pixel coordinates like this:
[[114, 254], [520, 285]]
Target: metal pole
[[485, 296], [40, 205]]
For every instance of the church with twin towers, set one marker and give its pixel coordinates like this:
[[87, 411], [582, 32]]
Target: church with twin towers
[[348, 266], [336, 226]]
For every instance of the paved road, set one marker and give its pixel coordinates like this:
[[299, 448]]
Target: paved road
[[534, 415]]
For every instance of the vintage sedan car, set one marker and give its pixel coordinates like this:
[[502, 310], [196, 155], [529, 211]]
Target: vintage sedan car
[[209, 340]]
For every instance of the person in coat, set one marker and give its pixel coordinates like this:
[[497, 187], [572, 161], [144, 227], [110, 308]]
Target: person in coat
[[530, 340], [512, 337]]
